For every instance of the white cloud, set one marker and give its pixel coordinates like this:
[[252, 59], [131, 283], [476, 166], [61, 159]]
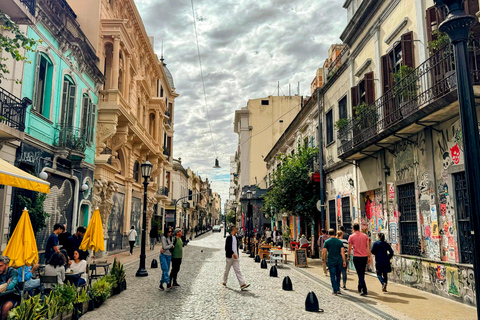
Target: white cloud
[[246, 47]]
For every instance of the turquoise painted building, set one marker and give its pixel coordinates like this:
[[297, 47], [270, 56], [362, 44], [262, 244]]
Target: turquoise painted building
[[63, 82]]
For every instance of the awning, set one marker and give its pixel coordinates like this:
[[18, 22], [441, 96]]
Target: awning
[[15, 177]]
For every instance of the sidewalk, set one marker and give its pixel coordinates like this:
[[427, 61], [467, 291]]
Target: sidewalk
[[403, 300]]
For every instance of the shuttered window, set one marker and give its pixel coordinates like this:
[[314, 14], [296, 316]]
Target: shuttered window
[[68, 102], [329, 122]]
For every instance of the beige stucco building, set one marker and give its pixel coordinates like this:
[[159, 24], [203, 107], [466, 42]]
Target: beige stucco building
[[135, 117]]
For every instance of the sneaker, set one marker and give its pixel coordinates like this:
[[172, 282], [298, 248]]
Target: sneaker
[[224, 284], [245, 286], [384, 287], [176, 285], [334, 293], [339, 292], [363, 294], [169, 286], [161, 287], [344, 287]]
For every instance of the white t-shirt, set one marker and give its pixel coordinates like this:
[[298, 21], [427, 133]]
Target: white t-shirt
[[234, 245], [80, 267], [132, 235], [268, 234]]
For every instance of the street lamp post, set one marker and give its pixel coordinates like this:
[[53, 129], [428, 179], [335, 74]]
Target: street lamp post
[[235, 205], [249, 214], [146, 171], [457, 26]]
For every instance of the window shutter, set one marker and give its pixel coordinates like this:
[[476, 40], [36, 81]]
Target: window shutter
[[408, 50], [431, 21], [71, 104], [354, 94], [91, 129], [471, 7], [35, 82], [64, 101], [85, 112], [442, 13], [369, 88], [386, 73]]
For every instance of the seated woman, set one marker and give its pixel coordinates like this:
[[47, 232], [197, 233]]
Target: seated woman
[[66, 258], [78, 264], [55, 267], [28, 278]]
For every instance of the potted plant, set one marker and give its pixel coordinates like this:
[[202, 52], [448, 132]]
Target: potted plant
[[366, 116], [101, 290], [406, 87], [340, 125], [28, 309], [50, 306], [66, 294], [81, 303]]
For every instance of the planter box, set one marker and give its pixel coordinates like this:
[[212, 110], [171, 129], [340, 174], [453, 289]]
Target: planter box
[[67, 315], [117, 289], [80, 309], [91, 305], [124, 284], [57, 317], [98, 301]]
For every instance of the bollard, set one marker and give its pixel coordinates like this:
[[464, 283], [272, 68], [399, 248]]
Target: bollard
[[273, 272], [252, 254], [154, 264], [257, 258], [311, 303], [287, 284], [263, 265]]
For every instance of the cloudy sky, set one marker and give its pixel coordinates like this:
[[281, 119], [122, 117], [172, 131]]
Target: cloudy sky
[[246, 46]]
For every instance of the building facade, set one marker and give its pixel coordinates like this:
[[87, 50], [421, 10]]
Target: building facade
[[135, 112]]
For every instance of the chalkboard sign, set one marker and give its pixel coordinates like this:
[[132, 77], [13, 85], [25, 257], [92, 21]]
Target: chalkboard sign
[[301, 258]]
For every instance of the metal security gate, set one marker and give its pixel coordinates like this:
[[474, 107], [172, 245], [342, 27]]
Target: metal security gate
[[346, 215], [408, 220], [463, 218], [331, 214]]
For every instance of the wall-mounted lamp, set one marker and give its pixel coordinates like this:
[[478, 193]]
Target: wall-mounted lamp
[[386, 169], [84, 187], [351, 182], [43, 175]]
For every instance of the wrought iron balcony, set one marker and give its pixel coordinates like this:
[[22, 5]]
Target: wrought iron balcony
[[162, 191], [12, 110], [71, 137], [411, 98]]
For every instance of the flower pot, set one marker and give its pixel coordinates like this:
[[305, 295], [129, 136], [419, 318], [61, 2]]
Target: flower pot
[[57, 317], [80, 309], [116, 289], [98, 301], [124, 284], [67, 315]]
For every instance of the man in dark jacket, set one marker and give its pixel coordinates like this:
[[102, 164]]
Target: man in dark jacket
[[231, 252]]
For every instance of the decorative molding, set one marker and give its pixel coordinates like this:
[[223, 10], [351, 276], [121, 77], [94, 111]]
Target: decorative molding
[[363, 67], [396, 31]]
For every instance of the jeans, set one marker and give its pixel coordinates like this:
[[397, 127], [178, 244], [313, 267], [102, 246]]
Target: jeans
[[176, 262], [344, 275], [361, 265], [132, 243], [32, 284], [153, 242], [165, 260], [382, 277], [335, 270], [79, 282]]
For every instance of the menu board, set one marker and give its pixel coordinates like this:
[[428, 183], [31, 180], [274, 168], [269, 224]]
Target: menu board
[[301, 258]]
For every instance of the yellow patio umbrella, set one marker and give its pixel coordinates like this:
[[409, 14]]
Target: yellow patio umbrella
[[15, 177], [93, 238], [22, 247]]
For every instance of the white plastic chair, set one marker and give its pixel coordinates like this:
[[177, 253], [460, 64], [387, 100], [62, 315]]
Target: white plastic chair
[[276, 256]]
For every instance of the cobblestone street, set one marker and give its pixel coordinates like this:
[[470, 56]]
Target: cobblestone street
[[201, 295]]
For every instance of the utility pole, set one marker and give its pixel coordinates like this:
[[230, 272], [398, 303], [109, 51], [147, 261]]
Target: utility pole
[[320, 160]]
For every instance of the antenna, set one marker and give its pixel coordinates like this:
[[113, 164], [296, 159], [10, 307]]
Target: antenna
[[278, 86], [289, 94], [298, 88], [161, 59]]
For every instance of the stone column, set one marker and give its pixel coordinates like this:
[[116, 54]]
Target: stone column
[[126, 91], [115, 62]]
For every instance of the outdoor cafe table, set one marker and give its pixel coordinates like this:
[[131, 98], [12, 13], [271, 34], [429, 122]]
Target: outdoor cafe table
[[72, 277], [103, 265]]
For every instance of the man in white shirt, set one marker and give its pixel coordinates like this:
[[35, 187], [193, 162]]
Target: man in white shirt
[[231, 252], [132, 236]]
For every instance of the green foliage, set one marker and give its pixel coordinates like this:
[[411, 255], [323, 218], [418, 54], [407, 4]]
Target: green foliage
[[406, 86], [117, 272], [50, 305], [292, 190], [66, 295], [366, 115], [286, 235], [441, 41], [341, 123], [29, 309], [101, 288], [230, 217], [38, 216], [82, 296], [12, 41]]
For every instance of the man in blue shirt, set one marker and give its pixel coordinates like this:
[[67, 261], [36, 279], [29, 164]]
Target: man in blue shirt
[[52, 242], [8, 276]]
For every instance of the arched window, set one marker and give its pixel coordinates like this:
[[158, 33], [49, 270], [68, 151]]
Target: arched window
[[136, 171], [67, 116], [43, 85]]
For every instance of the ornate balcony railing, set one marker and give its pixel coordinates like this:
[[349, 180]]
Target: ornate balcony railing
[[162, 191], [71, 137], [430, 81], [12, 110], [30, 4]]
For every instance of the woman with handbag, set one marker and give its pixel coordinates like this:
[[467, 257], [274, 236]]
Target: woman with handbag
[[166, 258]]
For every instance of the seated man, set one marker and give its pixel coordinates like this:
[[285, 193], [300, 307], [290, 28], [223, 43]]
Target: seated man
[[30, 282], [8, 276]]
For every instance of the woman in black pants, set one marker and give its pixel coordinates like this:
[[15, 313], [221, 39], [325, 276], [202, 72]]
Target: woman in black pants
[[132, 235], [383, 253]]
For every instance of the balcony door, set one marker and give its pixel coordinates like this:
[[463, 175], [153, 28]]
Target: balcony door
[[68, 102]]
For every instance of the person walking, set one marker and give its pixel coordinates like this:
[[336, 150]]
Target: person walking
[[383, 254], [132, 235], [345, 249], [333, 247], [231, 253], [361, 255], [166, 258], [176, 257], [345, 234], [153, 236], [320, 242], [268, 235]]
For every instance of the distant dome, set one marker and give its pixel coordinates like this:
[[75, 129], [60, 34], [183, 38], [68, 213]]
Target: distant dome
[[169, 76]]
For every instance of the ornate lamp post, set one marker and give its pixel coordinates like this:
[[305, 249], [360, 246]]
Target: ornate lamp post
[[146, 172], [185, 205], [235, 205], [249, 215], [457, 26]]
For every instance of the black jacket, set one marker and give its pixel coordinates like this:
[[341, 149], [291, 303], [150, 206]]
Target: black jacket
[[228, 246]]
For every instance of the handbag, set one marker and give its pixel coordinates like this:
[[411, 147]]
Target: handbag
[[173, 248]]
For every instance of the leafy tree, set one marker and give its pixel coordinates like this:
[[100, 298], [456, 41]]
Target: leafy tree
[[13, 40], [292, 191], [38, 216], [230, 217]]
